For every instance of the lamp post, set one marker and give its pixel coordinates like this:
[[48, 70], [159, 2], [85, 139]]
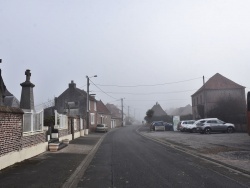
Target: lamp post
[[87, 116]]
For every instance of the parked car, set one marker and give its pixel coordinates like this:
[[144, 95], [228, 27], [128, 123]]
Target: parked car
[[206, 126], [168, 126], [182, 125], [157, 126], [191, 128], [152, 125], [101, 128]]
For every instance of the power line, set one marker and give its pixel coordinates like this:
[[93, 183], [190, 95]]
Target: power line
[[149, 85], [159, 100], [152, 93], [102, 90]]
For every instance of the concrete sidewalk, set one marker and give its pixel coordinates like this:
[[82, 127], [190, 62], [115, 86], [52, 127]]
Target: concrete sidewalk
[[53, 169]]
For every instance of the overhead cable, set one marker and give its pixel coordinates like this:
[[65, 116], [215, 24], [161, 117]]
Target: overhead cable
[[102, 90], [149, 85]]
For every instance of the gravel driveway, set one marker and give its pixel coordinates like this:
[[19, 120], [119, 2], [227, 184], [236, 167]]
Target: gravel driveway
[[232, 149]]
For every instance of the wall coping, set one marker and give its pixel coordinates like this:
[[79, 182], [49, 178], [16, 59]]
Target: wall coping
[[7, 109]]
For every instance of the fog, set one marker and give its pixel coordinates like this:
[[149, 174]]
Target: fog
[[144, 51]]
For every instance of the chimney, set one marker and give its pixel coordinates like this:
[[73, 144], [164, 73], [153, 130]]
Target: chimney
[[72, 85]]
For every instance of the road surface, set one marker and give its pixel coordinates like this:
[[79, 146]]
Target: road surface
[[127, 159]]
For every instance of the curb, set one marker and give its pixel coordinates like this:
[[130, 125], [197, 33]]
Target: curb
[[195, 154], [73, 180]]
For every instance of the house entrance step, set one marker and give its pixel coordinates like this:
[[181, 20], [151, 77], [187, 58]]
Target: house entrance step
[[56, 146]]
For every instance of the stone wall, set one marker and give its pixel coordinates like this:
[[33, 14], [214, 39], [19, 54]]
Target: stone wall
[[10, 129]]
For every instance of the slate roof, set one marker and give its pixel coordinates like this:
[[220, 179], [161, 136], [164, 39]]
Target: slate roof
[[81, 91], [158, 111], [10, 99], [218, 82], [101, 108]]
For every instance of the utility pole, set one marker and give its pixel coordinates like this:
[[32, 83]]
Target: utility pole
[[87, 116], [122, 110], [134, 114], [205, 98], [128, 116]]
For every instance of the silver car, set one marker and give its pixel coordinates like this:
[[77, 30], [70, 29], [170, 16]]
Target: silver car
[[159, 126], [101, 128], [206, 126]]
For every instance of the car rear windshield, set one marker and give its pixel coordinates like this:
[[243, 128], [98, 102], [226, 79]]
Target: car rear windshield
[[100, 125], [158, 124]]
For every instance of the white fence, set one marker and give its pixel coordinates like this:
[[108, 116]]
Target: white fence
[[32, 121], [61, 121]]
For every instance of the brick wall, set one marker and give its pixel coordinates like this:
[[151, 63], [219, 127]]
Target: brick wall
[[10, 129], [63, 132], [31, 140]]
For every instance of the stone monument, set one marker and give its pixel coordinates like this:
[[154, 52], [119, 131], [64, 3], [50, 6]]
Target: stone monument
[[27, 97]]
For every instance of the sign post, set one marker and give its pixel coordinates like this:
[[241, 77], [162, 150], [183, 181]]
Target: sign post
[[176, 120]]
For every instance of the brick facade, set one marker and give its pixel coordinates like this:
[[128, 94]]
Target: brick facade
[[63, 132], [10, 129], [31, 140]]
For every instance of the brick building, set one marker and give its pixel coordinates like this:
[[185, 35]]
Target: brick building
[[103, 114], [216, 89], [116, 115]]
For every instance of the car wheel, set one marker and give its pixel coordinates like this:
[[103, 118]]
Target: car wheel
[[230, 130], [207, 131]]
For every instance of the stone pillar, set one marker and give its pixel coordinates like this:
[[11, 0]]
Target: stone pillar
[[27, 97]]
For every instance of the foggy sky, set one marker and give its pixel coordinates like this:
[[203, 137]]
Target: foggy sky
[[160, 48]]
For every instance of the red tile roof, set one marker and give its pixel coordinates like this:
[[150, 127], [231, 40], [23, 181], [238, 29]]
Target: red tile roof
[[219, 82], [101, 108]]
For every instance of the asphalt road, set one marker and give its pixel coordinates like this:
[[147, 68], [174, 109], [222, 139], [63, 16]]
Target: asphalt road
[[127, 159]]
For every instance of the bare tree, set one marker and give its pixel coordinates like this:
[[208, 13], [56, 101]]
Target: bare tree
[[229, 110]]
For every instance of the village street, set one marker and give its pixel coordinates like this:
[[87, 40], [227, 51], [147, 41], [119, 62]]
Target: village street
[[132, 156], [127, 159]]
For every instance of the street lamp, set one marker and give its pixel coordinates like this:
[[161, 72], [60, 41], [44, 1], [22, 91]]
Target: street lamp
[[87, 116]]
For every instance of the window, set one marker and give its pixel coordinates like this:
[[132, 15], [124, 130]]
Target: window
[[81, 123], [32, 121], [61, 121], [92, 118]]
